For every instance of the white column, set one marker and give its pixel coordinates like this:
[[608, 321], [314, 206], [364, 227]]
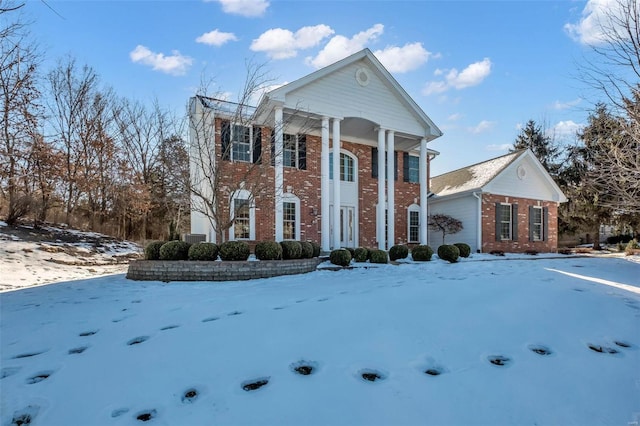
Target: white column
[[423, 191], [279, 174], [336, 182], [325, 236], [381, 194], [391, 167]]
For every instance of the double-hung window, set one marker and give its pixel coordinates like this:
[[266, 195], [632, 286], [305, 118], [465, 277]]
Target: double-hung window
[[411, 166], [414, 224], [241, 143], [347, 167], [506, 224], [242, 225], [289, 217], [536, 222]]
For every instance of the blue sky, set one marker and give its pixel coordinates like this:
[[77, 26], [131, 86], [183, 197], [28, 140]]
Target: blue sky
[[479, 69]]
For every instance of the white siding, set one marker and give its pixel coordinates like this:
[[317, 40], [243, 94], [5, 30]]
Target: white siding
[[339, 95], [532, 185], [464, 209]]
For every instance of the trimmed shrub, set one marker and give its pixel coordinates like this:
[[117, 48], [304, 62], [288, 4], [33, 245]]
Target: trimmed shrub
[[351, 250], [268, 250], [465, 249], [422, 253], [369, 251], [632, 246], [234, 250], [175, 250], [291, 249], [361, 254], [450, 253], [316, 248], [379, 256], [340, 257], [307, 250], [152, 250], [203, 251], [399, 251]]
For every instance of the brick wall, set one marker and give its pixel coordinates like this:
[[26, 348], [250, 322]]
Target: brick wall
[[183, 270], [523, 243]]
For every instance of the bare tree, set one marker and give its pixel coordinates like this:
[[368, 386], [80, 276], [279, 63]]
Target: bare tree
[[20, 116], [445, 224]]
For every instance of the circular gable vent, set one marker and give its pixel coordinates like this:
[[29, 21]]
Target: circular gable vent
[[522, 172], [362, 76]]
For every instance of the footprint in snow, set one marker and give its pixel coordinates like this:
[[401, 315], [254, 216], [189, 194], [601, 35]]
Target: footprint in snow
[[304, 368], [324, 299], [88, 333], [189, 396], [24, 416], [137, 340], [30, 354], [255, 384], [37, 378], [146, 415], [8, 371], [540, 350], [169, 327], [234, 313], [623, 344], [78, 350], [499, 360], [602, 349], [279, 308], [118, 412], [371, 375], [210, 319]]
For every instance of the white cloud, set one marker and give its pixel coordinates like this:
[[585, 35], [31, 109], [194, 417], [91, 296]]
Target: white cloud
[[340, 47], [455, 117], [216, 38], [279, 43], [499, 147], [175, 64], [255, 97], [472, 75], [483, 126], [588, 30], [247, 8], [566, 105], [403, 59], [565, 130]]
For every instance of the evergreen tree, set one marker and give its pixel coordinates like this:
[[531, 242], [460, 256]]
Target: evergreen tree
[[533, 136]]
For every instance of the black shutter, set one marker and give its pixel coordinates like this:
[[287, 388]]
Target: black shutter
[[374, 162], [405, 166], [273, 147], [514, 222], [545, 223], [498, 220], [395, 165], [225, 138], [302, 152], [257, 145]]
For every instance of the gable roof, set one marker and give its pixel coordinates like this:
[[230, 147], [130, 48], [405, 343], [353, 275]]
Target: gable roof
[[473, 177], [279, 94], [495, 176]]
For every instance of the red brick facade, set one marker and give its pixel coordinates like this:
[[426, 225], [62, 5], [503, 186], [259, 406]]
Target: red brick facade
[[522, 243], [306, 184]]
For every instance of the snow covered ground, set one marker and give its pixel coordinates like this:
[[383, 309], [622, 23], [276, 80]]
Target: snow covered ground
[[536, 342]]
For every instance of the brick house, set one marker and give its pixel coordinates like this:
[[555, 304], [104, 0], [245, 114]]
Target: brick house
[[509, 203], [347, 118]]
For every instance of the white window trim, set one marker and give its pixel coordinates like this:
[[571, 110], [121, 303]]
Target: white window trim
[[232, 141], [510, 222], [540, 208], [296, 153], [355, 167], [413, 208], [291, 198], [243, 194], [419, 165]]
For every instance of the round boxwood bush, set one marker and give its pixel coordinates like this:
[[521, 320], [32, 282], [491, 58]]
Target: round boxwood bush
[[361, 254], [152, 250], [351, 250], [398, 252], [422, 253], [268, 250], [203, 251], [175, 250], [316, 248], [449, 253], [465, 249], [307, 250], [234, 250], [291, 249], [379, 256], [341, 257]]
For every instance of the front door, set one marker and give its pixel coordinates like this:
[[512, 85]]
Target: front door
[[347, 227]]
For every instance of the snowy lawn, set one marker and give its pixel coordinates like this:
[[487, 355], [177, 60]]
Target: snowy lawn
[[493, 343]]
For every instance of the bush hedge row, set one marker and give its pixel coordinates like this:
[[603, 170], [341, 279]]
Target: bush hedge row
[[230, 250]]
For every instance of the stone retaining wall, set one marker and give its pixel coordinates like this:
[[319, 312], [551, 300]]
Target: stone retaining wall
[[183, 270]]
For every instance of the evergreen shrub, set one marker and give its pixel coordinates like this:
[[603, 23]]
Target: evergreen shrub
[[316, 248], [307, 250], [203, 251], [399, 251], [234, 250], [450, 253], [152, 250], [465, 249], [340, 257], [268, 250], [291, 249], [379, 256], [422, 253], [175, 250], [361, 254]]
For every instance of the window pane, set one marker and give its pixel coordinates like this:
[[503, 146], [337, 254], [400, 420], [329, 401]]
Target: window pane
[[241, 225], [289, 216], [414, 169], [241, 140], [537, 224], [290, 150], [346, 168], [414, 226], [505, 225]]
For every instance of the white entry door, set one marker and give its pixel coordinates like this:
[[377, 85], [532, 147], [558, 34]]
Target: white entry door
[[347, 227]]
